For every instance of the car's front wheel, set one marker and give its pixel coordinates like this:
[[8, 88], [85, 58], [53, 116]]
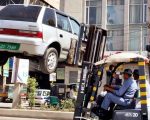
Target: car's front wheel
[[3, 59], [49, 61]]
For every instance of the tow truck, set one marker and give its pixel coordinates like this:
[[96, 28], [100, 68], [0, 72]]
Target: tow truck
[[93, 67]]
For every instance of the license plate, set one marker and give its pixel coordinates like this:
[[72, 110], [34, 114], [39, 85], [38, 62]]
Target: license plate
[[9, 46]]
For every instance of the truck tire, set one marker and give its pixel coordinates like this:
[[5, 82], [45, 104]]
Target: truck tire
[[49, 61]]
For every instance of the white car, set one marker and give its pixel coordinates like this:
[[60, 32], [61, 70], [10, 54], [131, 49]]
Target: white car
[[41, 96], [36, 32]]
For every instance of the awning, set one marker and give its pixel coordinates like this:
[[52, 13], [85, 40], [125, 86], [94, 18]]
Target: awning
[[121, 57]]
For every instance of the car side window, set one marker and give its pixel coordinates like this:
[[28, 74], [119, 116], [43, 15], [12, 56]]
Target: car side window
[[75, 26], [49, 17], [63, 23]]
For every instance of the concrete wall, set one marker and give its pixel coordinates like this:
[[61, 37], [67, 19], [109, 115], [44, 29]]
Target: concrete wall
[[74, 8], [69, 69], [148, 18], [55, 3]]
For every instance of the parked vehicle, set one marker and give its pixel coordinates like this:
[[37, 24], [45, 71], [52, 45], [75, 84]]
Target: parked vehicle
[[36, 32], [53, 101], [3, 94], [41, 96], [10, 90]]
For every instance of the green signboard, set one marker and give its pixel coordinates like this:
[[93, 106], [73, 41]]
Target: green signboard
[[9, 46]]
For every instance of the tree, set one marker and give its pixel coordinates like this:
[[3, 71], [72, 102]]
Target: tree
[[31, 86]]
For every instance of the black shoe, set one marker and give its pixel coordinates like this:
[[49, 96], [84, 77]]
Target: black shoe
[[103, 114], [95, 110]]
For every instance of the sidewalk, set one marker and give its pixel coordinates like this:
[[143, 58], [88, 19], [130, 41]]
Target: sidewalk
[[5, 105], [40, 114]]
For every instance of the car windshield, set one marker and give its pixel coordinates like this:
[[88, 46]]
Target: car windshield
[[46, 93], [20, 13], [39, 93]]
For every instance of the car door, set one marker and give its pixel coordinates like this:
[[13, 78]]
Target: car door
[[49, 26], [64, 33]]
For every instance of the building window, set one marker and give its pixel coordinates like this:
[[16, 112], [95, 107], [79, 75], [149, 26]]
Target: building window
[[138, 11], [115, 12], [93, 12], [115, 2], [73, 76], [115, 40], [145, 40], [137, 38]]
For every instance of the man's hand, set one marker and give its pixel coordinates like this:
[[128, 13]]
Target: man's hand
[[108, 88], [107, 85]]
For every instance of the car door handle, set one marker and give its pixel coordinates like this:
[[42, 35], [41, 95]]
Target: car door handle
[[61, 35]]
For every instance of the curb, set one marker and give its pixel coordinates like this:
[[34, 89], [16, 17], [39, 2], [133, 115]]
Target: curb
[[39, 114]]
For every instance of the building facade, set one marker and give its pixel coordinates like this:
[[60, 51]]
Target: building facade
[[53, 3], [73, 8], [125, 20]]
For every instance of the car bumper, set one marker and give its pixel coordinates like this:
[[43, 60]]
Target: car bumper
[[28, 46], [39, 101]]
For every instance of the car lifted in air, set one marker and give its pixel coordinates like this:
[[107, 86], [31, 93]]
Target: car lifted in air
[[36, 32]]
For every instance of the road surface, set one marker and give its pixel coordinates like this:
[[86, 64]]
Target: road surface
[[15, 118]]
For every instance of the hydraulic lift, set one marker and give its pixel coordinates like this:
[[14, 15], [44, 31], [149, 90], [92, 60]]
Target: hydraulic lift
[[91, 76], [96, 40]]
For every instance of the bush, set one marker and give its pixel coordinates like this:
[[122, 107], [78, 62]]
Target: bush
[[67, 104], [31, 86]]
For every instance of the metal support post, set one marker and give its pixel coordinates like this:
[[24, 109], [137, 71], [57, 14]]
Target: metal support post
[[143, 92], [81, 92]]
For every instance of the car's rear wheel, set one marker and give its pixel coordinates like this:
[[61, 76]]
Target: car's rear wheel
[[49, 61], [3, 59]]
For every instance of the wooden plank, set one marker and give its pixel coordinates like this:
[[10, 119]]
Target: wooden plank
[[71, 54]]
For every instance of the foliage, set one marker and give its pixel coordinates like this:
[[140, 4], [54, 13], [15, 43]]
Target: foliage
[[67, 104], [31, 86]]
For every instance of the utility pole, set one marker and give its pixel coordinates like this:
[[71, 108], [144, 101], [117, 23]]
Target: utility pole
[[3, 78], [141, 40], [17, 87]]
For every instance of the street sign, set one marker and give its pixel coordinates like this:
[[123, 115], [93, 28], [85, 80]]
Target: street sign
[[23, 71], [20, 71], [52, 77]]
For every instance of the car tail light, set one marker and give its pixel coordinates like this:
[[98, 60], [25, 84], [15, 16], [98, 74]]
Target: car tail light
[[36, 34]]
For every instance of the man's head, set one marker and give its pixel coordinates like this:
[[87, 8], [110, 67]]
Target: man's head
[[127, 73], [116, 75], [136, 74]]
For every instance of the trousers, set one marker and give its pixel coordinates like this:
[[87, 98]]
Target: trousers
[[111, 98]]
